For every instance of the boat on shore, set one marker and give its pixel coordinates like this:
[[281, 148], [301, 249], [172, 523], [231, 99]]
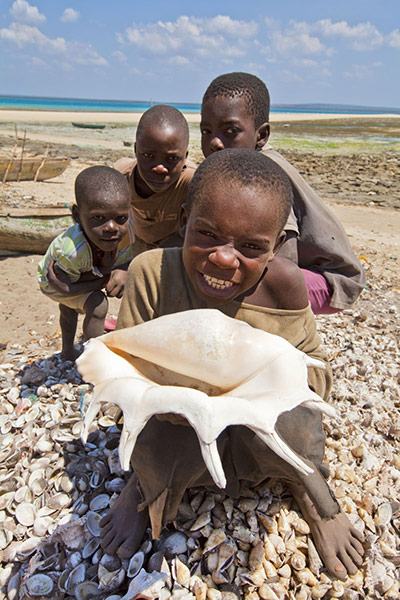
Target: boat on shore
[[31, 230], [88, 125], [25, 169]]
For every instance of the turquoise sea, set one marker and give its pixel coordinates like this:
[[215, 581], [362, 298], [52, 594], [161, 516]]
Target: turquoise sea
[[87, 105]]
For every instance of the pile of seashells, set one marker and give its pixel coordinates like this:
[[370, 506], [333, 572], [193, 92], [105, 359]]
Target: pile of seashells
[[54, 490]]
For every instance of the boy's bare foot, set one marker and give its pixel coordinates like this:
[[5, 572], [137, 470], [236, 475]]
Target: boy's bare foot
[[123, 527], [338, 543]]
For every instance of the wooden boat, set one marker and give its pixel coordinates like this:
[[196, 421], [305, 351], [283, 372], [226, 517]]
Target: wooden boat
[[26, 169], [88, 125], [31, 229]]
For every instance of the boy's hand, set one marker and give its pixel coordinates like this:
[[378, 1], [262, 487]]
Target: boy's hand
[[116, 284]]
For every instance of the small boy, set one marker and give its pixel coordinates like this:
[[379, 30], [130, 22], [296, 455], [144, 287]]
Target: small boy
[[238, 204], [235, 114], [159, 177], [86, 258]]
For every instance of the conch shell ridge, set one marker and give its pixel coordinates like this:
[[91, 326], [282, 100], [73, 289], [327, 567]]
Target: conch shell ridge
[[213, 370]]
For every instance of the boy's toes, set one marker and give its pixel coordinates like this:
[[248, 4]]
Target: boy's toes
[[127, 549]]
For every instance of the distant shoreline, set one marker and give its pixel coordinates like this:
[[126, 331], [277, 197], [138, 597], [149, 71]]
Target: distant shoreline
[[55, 116]]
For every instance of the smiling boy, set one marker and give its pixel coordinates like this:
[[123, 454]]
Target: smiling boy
[[237, 206], [235, 114], [86, 258], [159, 177]]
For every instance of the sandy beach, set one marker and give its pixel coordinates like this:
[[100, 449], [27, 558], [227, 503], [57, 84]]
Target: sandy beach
[[354, 164]]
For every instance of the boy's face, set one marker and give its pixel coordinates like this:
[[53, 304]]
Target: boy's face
[[161, 154], [230, 238], [104, 220], [226, 123]]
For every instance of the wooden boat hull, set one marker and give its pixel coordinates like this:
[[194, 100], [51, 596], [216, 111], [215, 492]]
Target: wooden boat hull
[[88, 125], [26, 170], [31, 230]]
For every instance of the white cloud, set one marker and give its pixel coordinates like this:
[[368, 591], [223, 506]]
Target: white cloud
[[359, 72], [120, 55], [217, 37], [71, 52], [179, 60], [296, 40], [24, 12], [37, 62], [70, 15], [363, 36], [21, 35], [393, 39]]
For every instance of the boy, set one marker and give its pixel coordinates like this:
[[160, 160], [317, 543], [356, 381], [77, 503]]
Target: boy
[[86, 258], [237, 206], [159, 177], [235, 114]]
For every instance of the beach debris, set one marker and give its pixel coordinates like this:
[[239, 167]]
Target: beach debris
[[255, 546]]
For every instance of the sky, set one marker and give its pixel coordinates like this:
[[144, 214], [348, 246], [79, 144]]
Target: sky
[[306, 51]]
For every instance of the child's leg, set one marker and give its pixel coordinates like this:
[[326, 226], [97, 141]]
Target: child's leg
[[338, 543], [123, 527], [68, 324], [318, 293], [95, 308]]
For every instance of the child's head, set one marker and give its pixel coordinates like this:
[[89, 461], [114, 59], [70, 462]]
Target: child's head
[[102, 206], [234, 113], [238, 203], [161, 148]]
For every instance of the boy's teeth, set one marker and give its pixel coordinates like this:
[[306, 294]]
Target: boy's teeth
[[217, 284]]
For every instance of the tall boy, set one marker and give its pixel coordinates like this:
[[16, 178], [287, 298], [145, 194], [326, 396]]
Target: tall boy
[[86, 259], [235, 114], [238, 203], [159, 177]]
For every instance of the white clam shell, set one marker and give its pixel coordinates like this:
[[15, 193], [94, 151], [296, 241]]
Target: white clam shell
[[135, 564], [25, 514], [93, 523]]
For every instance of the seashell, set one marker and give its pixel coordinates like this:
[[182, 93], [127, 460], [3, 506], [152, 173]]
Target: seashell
[[298, 561], [219, 578], [285, 571], [13, 586], [155, 561], [217, 537], [73, 534], [76, 577], [237, 377], [87, 590], [99, 502], [383, 514], [269, 569], [266, 592], [25, 514], [256, 555], [146, 584], [111, 563], [213, 594], [226, 553], [173, 544], [198, 588], [305, 576], [6, 499], [93, 523], [116, 484], [91, 547], [59, 501], [111, 580], [63, 580], [27, 548], [256, 578], [41, 526], [269, 524], [180, 572], [6, 537], [135, 564], [314, 560], [39, 585], [201, 521]]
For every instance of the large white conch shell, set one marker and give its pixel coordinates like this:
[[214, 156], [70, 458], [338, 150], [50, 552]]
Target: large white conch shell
[[213, 370]]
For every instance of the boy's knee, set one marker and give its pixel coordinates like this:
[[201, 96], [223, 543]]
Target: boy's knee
[[96, 305]]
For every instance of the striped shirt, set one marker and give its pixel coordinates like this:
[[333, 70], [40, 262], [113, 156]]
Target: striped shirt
[[72, 253]]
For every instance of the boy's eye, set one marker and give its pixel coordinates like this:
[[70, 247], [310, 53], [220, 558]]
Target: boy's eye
[[98, 218], [147, 154], [233, 130], [174, 158], [204, 131], [206, 233], [251, 246], [121, 220]]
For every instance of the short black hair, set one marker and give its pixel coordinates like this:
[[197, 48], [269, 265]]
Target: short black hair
[[99, 178], [243, 167], [250, 87], [163, 115]]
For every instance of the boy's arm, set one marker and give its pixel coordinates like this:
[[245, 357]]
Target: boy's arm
[[60, 281], [116, 284]]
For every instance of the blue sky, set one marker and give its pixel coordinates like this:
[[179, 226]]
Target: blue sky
[[307, 51]]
